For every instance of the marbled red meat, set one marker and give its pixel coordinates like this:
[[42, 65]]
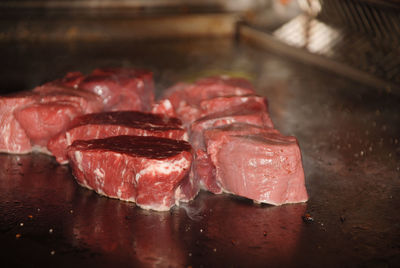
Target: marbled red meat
[[30, 118], [87, 102], [107, 124], [186, 98], [220, 104], [13, 138], [203, 168], [265, 167], [121, 88], [42, 121], [151, 171], [249, 113]]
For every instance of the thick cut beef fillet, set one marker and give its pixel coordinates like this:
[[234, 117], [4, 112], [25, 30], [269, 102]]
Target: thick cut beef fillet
[[186, 98], [13, 138], [203, 168], [121, 88], [214, 137], [265, 167], [250, 113], [151, 171], [107, 124], [30, 118], [224, 103], [43, 121], [53, 110], [208, 88]]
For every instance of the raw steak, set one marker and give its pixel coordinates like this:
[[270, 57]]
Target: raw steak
[[186, 98], [250, 113], [208, 88], [42, 121], [13, 138], [203, 168], [52, 111], [107, 124], [151, 171], [29, 119], [265, 167], [220, 104], [121, 88]]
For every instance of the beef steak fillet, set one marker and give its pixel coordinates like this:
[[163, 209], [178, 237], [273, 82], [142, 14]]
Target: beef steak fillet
[[203, 168], [151, 171], [13, 138], [186, 98], [265, 167], [28, 119], [121, 88], [249, 113], [54, 109], [107, 124]]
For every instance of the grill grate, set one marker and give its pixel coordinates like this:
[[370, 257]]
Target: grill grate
[[360, 34], [377, 21]]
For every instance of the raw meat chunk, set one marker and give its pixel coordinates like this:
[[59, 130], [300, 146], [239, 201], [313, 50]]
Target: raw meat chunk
[[121, 88], [186, 98], [52, 111], [208, 88], [42, 121], [107, 124], [264, 167], [87, 102], [213, 137], [13, 138], [151, 171], [220, 104], [29, 119], [250, 113], [203, 167]]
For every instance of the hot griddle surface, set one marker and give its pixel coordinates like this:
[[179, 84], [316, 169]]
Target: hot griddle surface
[[350, 141]]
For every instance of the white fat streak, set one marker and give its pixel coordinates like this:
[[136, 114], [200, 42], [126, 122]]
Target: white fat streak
[[244, 99], [99, 172], [41, 149], [185, 137], [253, 162], [259, 162], [157, 207], [68, 137], [163, 167], [99, 177], [178, 194], [167, 104], [78, 157]]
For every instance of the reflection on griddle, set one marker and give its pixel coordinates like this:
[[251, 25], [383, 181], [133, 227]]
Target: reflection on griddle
[[238, 227], [125, 231]]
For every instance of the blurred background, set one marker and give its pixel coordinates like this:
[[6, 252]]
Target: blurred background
[[359, 39]]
